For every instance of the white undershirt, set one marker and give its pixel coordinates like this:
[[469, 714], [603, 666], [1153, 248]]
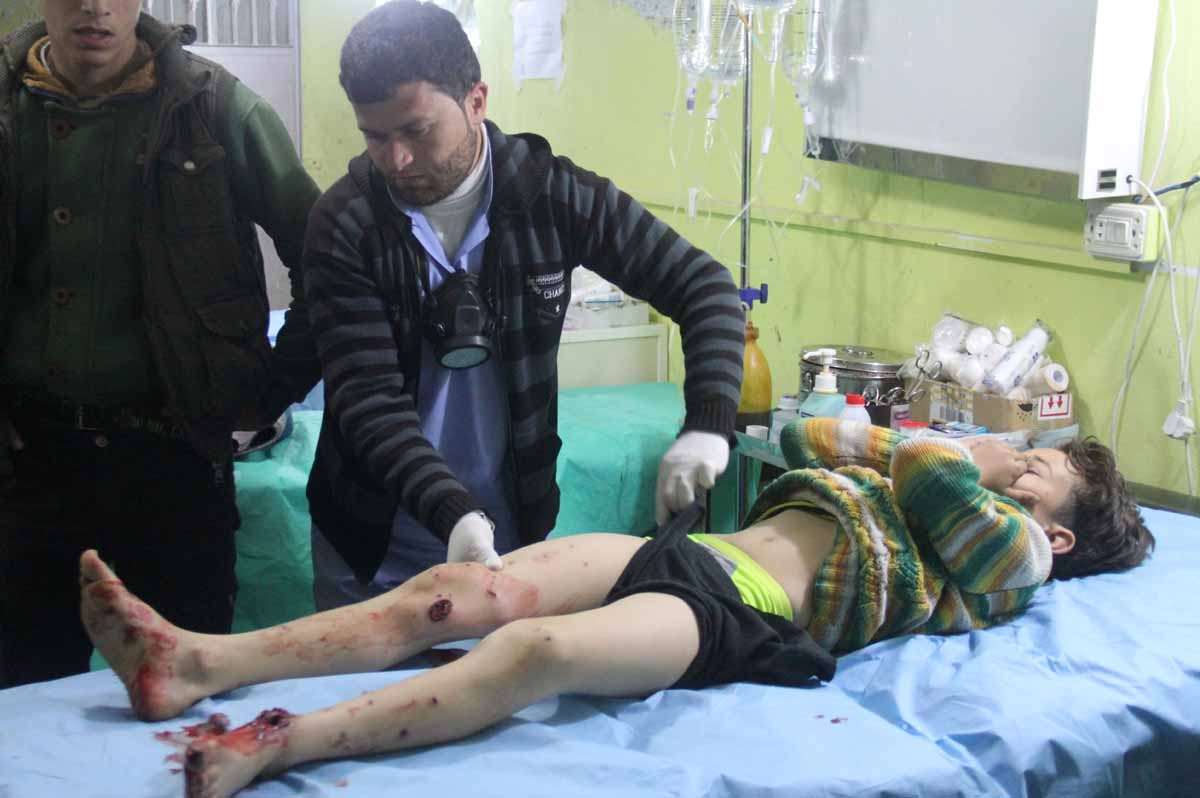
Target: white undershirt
[[451, 216]]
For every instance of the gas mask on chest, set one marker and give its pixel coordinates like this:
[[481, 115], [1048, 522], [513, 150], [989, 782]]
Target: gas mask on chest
[[458, 321]]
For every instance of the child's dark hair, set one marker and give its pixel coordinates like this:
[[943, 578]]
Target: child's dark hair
[[405, 41], [1110, 534]]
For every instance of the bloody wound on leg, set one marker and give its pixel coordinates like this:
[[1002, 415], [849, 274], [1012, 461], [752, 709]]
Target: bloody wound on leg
[[439, 610]]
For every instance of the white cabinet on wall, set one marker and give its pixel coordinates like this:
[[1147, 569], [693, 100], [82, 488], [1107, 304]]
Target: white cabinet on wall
[[1054, 85]]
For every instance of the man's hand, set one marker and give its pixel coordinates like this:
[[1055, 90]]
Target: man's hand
[[694, 461], [999, 464], [473, 540], [266, 410], [10, 441]]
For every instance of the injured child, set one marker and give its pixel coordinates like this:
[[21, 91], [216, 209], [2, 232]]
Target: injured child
[[835, 555]]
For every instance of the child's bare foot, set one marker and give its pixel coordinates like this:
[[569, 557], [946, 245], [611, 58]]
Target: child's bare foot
[[156, 661], [220, 764]]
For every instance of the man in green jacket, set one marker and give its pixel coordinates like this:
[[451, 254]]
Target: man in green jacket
[[133, 317]]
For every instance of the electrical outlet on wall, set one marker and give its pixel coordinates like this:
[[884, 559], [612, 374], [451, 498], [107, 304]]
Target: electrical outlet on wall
[[1122, 231]]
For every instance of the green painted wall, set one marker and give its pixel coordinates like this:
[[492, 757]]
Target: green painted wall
[[870, 258], [17, 12]]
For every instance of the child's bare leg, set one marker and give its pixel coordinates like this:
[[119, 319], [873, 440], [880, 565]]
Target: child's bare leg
[[167, 669], [638, 645]]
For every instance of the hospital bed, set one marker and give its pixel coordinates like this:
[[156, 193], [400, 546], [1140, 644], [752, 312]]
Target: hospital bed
[[1094, 691]]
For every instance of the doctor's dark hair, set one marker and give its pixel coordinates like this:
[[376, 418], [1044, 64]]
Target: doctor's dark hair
[[406, 41], [1110, 534]]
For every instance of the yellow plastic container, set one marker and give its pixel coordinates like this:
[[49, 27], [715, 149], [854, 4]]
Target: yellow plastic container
[[754, 406]]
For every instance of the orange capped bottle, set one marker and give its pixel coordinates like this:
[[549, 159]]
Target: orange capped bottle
[[754, 406]]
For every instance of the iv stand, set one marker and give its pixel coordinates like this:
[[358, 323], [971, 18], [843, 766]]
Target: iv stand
[[747, 132], [748, 295]]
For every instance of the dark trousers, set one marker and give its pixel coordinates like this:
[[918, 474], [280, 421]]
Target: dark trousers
[[159, 513]]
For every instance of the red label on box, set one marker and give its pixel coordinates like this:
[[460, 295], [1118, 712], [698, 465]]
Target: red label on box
[[1055, 405]]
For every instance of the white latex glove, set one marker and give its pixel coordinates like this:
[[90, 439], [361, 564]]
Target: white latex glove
[[473, 540], [694, 461]]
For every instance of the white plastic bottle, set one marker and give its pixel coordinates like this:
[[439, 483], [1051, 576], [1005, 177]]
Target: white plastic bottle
[[824, 401], [855, 409], [789, 408]]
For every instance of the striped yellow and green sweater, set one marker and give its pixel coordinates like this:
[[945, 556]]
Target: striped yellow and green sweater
[[926, 550]]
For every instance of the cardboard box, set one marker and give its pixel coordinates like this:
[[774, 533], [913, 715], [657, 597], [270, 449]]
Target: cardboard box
[[947, 402]]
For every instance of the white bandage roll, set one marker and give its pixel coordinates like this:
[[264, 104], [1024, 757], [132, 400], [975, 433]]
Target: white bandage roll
[[993, 355], [969, 372], [950, 331], [1021, 359], [1051, 378], [978, 340], [1004, 335], [949, 360]]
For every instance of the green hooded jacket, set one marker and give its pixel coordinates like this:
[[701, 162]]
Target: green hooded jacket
[[215, 160]]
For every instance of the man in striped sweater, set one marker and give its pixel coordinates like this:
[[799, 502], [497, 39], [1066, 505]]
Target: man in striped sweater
[[959, 537], [438, 273]]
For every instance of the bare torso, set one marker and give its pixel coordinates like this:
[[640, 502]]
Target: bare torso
[[791, 547]]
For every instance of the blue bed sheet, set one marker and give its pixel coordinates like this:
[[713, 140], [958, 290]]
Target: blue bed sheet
[[1095, 691]]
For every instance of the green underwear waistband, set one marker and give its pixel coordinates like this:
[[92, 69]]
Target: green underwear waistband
[[757, 588]]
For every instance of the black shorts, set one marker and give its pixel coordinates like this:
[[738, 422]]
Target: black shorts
[[737, 642]]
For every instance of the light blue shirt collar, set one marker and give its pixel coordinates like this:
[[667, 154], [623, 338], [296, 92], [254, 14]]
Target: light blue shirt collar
[[476, 234]]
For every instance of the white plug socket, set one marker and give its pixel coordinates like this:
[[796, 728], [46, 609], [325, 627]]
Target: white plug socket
[[1122, 231]]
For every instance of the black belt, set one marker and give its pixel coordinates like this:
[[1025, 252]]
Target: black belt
[[88, 417]]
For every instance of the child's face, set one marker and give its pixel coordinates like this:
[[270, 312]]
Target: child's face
[[1047, 484]]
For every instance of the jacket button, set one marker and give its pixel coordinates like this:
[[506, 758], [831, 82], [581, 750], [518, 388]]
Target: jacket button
[[62, 296], [101, 441], [62, 215], [60, 128], [189, 166]]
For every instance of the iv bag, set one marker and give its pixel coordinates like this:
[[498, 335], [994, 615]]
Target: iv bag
[[708, 39], [765, 5], [801, 42]]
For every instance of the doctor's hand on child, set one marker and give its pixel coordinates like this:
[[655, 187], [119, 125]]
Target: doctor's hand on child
[[691, 465], [473, 540], [999, 464]]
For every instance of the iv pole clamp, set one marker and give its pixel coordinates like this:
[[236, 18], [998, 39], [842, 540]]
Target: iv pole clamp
[[751, 295]]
